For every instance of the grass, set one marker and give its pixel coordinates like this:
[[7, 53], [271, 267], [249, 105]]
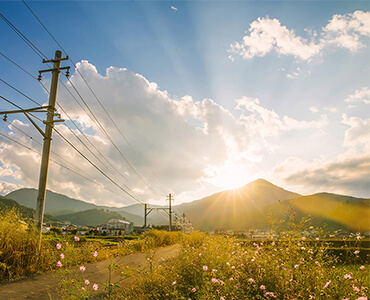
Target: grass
[[18, 244], [208, 266], [216, 267]]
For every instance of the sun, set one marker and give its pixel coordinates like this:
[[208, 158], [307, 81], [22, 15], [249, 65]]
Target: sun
[[229, 176]]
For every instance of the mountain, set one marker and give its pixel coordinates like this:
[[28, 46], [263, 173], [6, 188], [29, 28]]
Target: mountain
[[335, 211], [55, 204], [23, 211], [91, 217], [62, 207], [235, 209]]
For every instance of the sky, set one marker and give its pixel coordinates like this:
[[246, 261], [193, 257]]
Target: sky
[[189, 97]]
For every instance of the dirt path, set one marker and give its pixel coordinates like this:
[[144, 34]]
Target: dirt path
[[35, 287]]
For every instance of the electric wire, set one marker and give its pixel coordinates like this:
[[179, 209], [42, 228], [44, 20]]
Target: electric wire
[[21, 35], [61, 165], [11, 86], [100, 103], [42, 55], [96, 167]]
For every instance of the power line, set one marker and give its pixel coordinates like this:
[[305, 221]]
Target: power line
[[100, 103], [61, 165], [21, 35], [96, 167], [67, 125]]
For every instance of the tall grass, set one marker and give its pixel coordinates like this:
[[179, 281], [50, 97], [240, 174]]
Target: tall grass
[[216, 267]]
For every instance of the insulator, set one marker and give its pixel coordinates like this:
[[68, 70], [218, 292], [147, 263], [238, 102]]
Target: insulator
[[39, 78]]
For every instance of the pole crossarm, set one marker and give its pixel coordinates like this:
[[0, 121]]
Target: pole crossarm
[[36, 109]]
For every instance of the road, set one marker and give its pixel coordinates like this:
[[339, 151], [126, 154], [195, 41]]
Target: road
[[37, 286]]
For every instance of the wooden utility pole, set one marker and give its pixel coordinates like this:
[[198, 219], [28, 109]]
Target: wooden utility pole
[[49, 124], [170, 211]]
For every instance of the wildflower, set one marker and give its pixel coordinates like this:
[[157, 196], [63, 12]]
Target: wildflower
[[205, 268], [222, 298], [362, 298], [262, 287], [61, 256], [326, 284], [173, 283], [214, 280], [95, 253], [347, 276], [193, 290], [59, 264], [251, 280], [83, 288], [59, 246], [87, 282], [355, 289], [82, 268], [303, 238], [95, 287], [296, 266], [362, 267], [77, 238], [356, 252]]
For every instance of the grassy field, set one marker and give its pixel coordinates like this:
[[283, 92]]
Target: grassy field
[[208, 266]]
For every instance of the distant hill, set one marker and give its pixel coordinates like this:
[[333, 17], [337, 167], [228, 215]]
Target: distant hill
[[61, 206], [55, 204], [23, 211], [91, 217], [235, 209], [336, 211]]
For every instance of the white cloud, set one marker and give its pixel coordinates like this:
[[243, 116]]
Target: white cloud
[[361, 95], [186, 144], [345, 31], [267, 35], [358, 135]]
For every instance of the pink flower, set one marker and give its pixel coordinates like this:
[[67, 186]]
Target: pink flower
[[82, 268], [59, 246], [87, 282], [262, 287], [303, 238], [59, 264], [77, 238], [214, 280], [362, 267], [205, 268], [95, 253], [193, 290], [356, 252], [95, 287], [222, 298], [362, 298], [83, 288], [347, 276], [173, 283], [61, 256], [326, 284], [251, 280]]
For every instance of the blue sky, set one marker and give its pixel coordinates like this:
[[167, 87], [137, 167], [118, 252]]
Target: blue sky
[[210, 94]]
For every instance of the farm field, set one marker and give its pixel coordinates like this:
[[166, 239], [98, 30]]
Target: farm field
[[206, 266]]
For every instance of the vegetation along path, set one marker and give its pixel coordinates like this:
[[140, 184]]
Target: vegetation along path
[[39, 286]]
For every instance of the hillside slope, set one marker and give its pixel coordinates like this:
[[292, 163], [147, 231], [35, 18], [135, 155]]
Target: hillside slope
[[229, 209]]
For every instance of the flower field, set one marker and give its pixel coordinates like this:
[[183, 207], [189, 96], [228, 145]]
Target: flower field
[[216, 267]]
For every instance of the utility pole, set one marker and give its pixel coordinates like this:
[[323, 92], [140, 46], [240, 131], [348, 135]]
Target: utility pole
[[170, 210], [49, 124]]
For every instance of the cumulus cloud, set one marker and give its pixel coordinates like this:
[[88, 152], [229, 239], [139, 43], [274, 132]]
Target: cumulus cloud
[[175, 145], [361, 95], [347, 173], [266, 35]]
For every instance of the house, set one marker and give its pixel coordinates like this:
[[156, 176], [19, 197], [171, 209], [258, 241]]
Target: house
[[117, 227]]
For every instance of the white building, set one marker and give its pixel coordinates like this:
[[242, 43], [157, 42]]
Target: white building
[[116, 227]]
